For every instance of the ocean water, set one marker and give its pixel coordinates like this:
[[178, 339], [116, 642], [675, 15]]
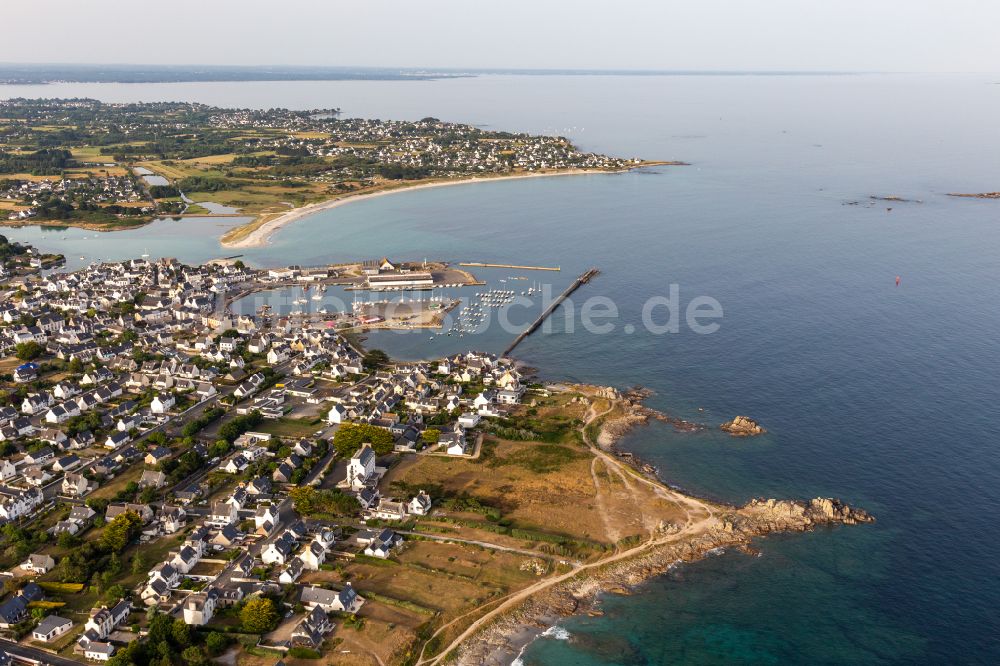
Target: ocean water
[[885, 396]]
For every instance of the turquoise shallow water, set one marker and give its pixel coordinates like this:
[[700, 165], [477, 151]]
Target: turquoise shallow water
[[884, 396]]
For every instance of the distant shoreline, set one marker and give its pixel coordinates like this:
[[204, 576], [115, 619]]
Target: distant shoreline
[[259, 232]]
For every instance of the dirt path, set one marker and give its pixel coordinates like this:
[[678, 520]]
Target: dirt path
[[700, 517], [472, 542], [610, 531]]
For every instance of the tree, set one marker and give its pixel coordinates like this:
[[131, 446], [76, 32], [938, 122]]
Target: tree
[[350, 436], [115, 592], [309, 501], [259, 616], [120, 531], [193, 656], [67, 540], [157, 439], [431, 436], [181, 633], [239, 425], [27, 351], [216, 643], [375, 359]]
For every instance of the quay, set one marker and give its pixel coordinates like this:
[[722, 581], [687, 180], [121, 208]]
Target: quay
[[525, 268], [576, 284]]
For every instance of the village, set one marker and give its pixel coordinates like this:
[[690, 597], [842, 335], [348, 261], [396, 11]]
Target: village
[[162, 457], [121, 165]]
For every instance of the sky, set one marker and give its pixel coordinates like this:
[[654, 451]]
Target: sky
[[788, 35]]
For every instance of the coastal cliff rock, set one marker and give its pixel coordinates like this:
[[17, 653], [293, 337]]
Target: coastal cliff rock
[[770, 515], [608, 392], [743, 426]]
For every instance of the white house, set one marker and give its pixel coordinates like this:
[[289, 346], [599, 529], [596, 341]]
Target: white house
[[361, 467], [337, 414], [421, 504], [39, 564], [346, 600], [51, 627], [200, 607], [221, 514], [74, 485], [162, 403], [98, 650]]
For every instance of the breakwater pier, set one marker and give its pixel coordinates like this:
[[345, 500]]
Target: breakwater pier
[[479, 264], [576, 284]]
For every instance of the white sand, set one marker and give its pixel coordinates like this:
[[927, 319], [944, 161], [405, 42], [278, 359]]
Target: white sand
[[262, 234]]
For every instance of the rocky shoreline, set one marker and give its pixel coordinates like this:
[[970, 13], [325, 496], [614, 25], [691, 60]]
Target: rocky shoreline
[[503, 639]]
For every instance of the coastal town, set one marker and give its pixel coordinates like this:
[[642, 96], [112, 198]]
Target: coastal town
[[181, 480], [165, 462], [109, 166]]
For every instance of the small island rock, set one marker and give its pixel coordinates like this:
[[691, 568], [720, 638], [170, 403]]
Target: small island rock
[[743, 426]]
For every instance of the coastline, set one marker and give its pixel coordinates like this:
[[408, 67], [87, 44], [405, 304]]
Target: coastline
[[258, 233], [503, 633]]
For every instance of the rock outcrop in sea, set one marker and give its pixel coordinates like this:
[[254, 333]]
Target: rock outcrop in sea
[[743, 426], [976, 195], [760, 516]]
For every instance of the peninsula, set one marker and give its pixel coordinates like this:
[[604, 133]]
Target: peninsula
[[86, 163]]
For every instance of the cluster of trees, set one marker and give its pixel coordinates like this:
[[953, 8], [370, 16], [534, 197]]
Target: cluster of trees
[[44, 162], [194, 426], [171, 642], [55, 208], [376, 359], [120, 531], [163, 191], [28, 351], [259, 615], [239, 425], [182, 466], [99, 561], [402, 172], [21, 541], [88, 421], [310, 501], [8, 249], [209, 184], [350, 436]]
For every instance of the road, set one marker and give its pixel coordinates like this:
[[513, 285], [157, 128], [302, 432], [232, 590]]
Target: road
[[24, 653]]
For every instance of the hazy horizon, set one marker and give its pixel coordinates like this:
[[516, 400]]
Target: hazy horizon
[[710, 36]]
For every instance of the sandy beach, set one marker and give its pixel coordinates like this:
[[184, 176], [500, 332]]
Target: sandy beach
[[262, 233]]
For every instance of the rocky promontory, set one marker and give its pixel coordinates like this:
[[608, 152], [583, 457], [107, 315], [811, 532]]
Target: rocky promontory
[[743, 426]]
